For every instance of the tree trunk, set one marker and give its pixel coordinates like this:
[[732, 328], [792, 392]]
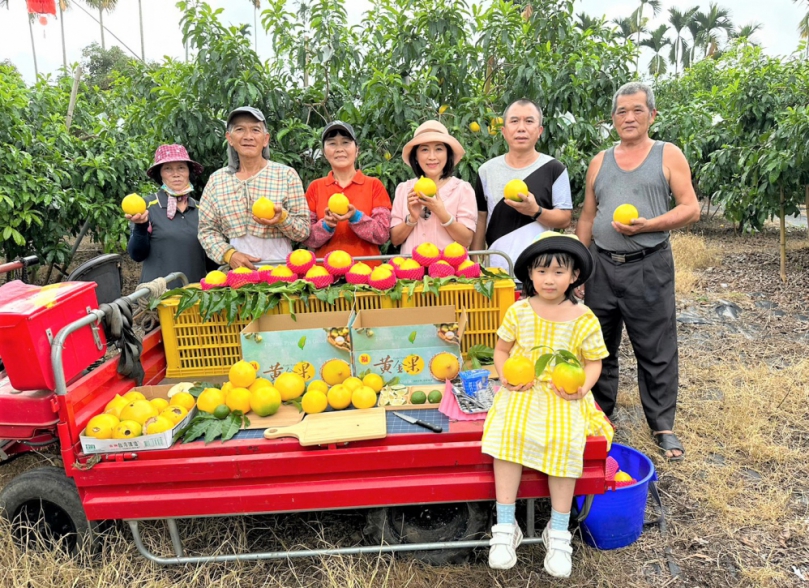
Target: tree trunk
[[62, 26], [783, 245], [807, 209], [33, 47], [101, 22], [255, 29], [142, 46]]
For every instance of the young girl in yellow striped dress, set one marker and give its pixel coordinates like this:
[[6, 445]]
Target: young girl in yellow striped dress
[[537, 425]]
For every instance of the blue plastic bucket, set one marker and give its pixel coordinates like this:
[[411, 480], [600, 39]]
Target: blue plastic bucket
[[474, 381], [616, 517]]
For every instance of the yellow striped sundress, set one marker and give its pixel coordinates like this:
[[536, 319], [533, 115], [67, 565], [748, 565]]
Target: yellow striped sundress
[[536, 428]]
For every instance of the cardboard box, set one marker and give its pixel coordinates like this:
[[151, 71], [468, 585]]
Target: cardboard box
[[144, 442], [402, 342], [280, 344]]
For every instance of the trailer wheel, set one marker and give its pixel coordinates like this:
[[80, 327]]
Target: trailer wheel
[[400, 525], [44, 509]]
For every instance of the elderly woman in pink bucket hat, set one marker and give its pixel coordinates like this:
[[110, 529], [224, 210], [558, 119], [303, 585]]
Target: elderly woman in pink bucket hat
[[449, 215], [164, 237]]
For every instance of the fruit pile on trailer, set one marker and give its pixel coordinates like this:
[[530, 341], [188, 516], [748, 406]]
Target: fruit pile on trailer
[[263, 394]]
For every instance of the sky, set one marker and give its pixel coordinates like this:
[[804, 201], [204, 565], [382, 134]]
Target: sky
[[162, 36]]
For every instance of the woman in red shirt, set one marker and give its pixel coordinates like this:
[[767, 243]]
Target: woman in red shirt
[[366, 225]]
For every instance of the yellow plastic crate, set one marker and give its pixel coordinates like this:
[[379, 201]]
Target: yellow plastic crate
[[362, 301], [484, 316]]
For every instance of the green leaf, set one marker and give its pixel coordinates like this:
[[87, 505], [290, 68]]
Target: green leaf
[[542, 363], [213, 431], [393, 381], [196, 429], [412, 337], [231, 426], [568, 357], [302, 342]]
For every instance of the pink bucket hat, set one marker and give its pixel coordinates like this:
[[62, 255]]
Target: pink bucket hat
[[168, 154], [433, 131]]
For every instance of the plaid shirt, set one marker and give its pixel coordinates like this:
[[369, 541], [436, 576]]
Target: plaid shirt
[[226, 205]]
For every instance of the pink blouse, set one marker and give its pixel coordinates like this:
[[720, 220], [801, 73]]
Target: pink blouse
[[459, 200]]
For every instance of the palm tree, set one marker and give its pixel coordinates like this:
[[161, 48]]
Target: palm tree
[[746, 32], [697, 35], [679, 20], [625, 28], [711, 23], [31, 34], [102, 5], [588, 22], [803, 27], [657, 42], [638, 14]]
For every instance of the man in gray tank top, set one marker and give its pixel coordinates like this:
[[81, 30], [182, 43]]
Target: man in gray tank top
[[633, 283]]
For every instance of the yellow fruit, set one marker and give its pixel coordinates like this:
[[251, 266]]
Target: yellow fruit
[[428, 250], [242, 270], [339, 397], [474, 127], [409, 264], [374, 382], [495, 124], [335, 371], [622, 477], [266, 268], [158, 424], [380, 273], [259, 383], [300, 257], [518, 370], [175, 413], [397, 261], [317, 271], [465, 264], [134, 395], [241, 373], [352, 383], [238, 399], [290, 385], [513, 190], [139, 411], [210, 399], [385, 266], [363, 397], [265, 401], [216, 278], [181, 387], [264, 208], [425, 187], [225, 388], [338, 204], [454, 249], [101, 426], [444, 366], [339, 259], [360, 268], [133, 204], [127, 430], [159, 403], [318, 385], [442, 109], [314, 401], [282, 271], [183, 399], [115, 405], [625, 214], [388, 156]]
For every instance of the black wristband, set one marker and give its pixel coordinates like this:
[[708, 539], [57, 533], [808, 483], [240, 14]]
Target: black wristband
[[537, 215]]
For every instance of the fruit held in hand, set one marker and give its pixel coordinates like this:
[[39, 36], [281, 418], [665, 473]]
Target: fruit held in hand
[[568, 377], [518, 370], [625, 214], [513, 190], [338, 204], [264, 208], [133, 204], [425, 187]]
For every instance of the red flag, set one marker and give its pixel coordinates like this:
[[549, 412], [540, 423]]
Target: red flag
[[41, 7]]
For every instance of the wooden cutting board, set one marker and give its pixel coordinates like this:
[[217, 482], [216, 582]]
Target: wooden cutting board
[[335, 427]]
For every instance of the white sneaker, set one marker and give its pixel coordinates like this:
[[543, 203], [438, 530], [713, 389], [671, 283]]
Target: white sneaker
[[559, 554], [503, 546]]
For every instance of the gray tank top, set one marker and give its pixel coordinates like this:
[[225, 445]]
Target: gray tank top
[[645, 187]]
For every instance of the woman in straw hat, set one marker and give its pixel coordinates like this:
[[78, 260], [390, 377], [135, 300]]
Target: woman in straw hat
[[164, 237], [451, 214]]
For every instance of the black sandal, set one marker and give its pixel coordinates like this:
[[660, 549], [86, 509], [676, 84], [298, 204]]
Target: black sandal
[[669, 442]]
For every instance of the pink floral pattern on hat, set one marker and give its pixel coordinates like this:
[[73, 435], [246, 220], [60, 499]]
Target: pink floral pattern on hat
[[168, 154]]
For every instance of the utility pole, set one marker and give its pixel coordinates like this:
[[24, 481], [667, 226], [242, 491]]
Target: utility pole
[[142, 47], [33, 47], [62, 26]]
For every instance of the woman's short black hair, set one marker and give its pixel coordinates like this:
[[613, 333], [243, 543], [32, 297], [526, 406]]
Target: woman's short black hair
[[449, 167], [337, 133], [545, 260]]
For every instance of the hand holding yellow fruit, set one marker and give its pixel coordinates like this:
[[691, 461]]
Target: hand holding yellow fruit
[[338, 204], [133, 204], [513, 190], [425, 187], [625, 214], [264, 208]]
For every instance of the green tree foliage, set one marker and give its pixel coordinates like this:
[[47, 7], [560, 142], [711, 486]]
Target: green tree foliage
[[103, 65]]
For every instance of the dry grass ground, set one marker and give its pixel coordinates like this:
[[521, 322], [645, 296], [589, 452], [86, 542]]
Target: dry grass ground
[[737, 507]]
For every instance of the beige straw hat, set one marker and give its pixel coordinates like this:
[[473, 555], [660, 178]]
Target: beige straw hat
[[433, 131]]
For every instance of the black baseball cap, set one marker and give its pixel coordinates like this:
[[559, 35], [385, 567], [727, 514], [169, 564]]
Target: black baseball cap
[[338, 125], [254, 112]]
